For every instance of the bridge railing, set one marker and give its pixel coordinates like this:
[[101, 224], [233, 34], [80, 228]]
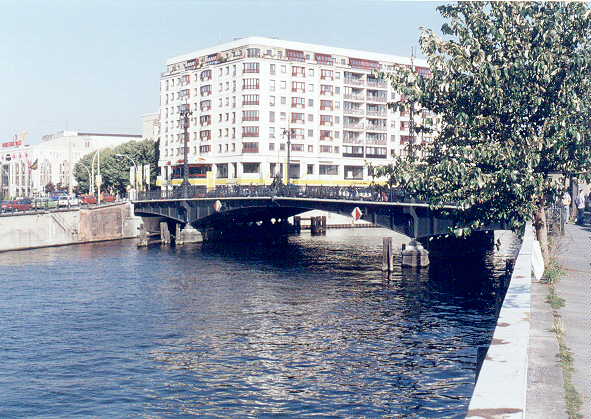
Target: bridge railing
[[354, 193]]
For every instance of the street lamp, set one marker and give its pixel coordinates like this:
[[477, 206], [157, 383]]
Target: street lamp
[[134, 168], [288, 133], [99, 179], [185, 113]]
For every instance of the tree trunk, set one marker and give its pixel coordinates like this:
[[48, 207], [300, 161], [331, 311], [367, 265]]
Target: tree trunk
[[542, 230]]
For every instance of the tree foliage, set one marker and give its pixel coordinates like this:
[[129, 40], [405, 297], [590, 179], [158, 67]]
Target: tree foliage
[[115, 169], [511, 82]]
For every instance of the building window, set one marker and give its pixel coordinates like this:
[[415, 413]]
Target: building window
[[310, 117], [271, 100], [298, 71], [326, 74], [310, 102], [310, 168], [310, 133], [271, 132], [250, 131], [250, 99], [283, 68], [271, 146], [283, 85], [250, 168], [310, 148], [325, 149], [298, 87], [297, 147], [250, 67], [283, 100], [250, 115], [272, 85], [298, 102], [253, 52], [353, 172], [222, 169], [250, 84], [250, 147], [272, 69], [297, 117], [204, 149], [271, 116], [328, 169]]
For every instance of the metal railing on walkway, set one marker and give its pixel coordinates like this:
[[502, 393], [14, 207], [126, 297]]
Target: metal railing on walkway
[[354, 193]]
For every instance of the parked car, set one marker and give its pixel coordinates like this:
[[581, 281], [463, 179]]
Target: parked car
[[22, 204], [6, 206], [88, 199], [108, 198], [67, 201]]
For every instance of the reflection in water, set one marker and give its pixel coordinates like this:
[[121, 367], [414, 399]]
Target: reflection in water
[[310, 327]]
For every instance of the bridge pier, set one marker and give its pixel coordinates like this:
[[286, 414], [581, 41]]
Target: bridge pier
[[414, 255]]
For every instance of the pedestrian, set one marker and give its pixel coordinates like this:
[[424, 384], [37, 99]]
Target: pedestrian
[[566, 200], [580, 203]]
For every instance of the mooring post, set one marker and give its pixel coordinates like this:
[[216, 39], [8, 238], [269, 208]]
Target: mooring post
[[164, 234], [415, 255], [297, 224], [178, 238], [143, 242], [388, 255], [323, 223]]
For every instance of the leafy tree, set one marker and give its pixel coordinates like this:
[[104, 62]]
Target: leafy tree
[[49, 188], [511, 82], [114, 168]]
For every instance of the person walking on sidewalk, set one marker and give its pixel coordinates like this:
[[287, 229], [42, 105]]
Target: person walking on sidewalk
[[580, 203], [566, 206]]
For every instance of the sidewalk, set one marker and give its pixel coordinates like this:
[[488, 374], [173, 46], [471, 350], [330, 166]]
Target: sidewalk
[[574, 257]]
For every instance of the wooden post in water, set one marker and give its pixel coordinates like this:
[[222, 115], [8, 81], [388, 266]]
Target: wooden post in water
[[143, 242], [388, 255], [164, 234], [178, 239], [297, 224]]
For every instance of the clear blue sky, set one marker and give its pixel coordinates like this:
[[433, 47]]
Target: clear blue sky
[[94, 65]]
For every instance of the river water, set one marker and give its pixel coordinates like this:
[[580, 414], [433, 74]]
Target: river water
[[310, 327]]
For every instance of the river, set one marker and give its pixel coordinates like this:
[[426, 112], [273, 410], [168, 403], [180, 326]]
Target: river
[[309, 327]]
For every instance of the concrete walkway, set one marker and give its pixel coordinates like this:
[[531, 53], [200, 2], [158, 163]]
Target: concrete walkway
[[545, 388], [574, 256]]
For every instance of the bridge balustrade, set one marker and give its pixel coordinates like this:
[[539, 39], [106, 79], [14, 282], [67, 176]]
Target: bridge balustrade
[[354, 193]]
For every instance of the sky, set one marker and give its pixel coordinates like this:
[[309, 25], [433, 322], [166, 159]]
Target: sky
[[94, 65]]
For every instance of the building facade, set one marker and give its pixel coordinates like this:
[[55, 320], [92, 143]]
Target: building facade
[[28, 169], [251, 99]]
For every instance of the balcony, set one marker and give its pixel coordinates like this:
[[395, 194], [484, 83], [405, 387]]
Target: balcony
[[376, 156], [354, 125], [351, 96], [376, 112], [352, 154], [375, 127], [327, 93], [298, 90], [326, 138], [326, 123], [376, 98], [354, 81], [298, 105], [377, 83], [354, 111]]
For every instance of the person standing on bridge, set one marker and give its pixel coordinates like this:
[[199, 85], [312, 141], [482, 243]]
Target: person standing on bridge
[[566, 200]]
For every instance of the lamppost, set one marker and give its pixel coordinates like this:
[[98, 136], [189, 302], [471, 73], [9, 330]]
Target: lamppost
[[185, 113], [134, 169], [98, 181], [288, 133]]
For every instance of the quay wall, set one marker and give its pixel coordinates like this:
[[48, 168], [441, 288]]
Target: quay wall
[[501, 387], [64, 227]]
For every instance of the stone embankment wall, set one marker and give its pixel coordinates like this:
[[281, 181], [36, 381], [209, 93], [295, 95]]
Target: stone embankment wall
[[28, 231]]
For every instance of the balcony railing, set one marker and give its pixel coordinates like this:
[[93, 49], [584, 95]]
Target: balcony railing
[[374, 98], [358, 125], [355, 82], [326, 123], [354, 111], [354, 97], [376, 113], [376, 83], [372, 127]]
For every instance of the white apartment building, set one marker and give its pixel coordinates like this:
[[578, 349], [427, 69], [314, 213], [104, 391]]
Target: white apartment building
[[27, 169], [247, 95]]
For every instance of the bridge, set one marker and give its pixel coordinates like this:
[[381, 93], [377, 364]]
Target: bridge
[[229, 206]]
